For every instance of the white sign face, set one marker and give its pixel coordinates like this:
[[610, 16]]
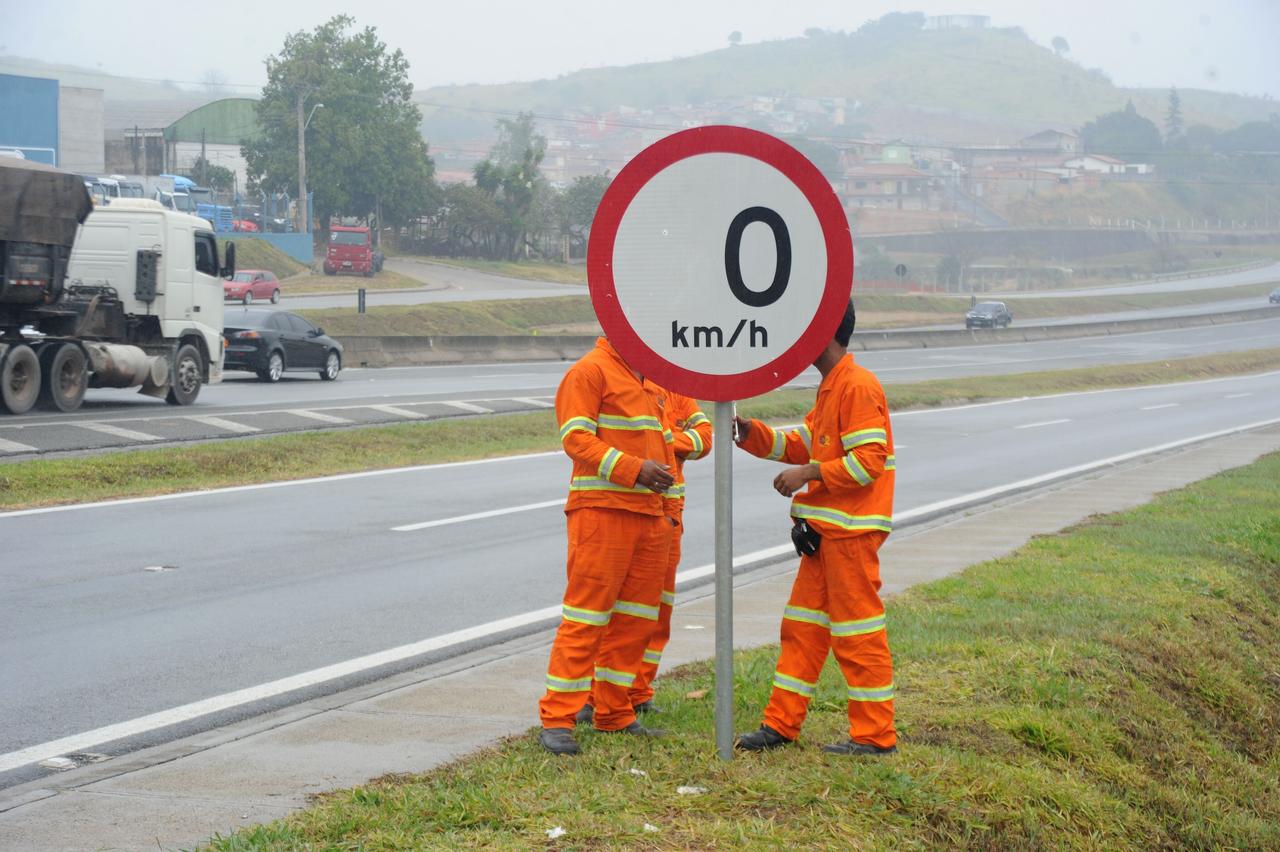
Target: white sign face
[[720, 262], [671, 273]]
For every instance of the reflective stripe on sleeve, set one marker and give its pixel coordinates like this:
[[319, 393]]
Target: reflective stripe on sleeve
[[871, 693], [779, 445], [891, 463], [563, 684], [840, 519], [858, 627], [856, 470], [614, 676], [577, 424], [595, 483], [675, 492], [639, 610], [668, 437], [794, 684], [806, 435], [630, 424], [609, 462], [697, 419], [863, 436], [653, 657], [696, 440], [809, 616], [585, 616], [669, 598]]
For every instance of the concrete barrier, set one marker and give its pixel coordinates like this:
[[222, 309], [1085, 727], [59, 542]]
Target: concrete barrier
[[475, 349]]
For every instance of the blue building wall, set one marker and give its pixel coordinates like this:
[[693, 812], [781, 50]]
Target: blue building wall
[[29, 116]]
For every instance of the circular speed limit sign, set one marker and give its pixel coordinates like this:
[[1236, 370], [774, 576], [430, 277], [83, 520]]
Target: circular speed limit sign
[[720, 262]]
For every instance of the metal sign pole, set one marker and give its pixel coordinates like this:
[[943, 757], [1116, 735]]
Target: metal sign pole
[[723, 446]]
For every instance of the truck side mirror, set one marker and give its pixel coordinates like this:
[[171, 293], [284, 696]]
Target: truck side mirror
[[229, 266]]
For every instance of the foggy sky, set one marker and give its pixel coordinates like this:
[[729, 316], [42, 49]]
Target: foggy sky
[[1228, 45]]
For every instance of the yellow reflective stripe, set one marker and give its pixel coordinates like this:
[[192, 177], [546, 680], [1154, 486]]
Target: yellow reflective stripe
[[609, 462], [871, 693], [594, 483], [675, 492], [842, 519], [779, 445], [891, 463], [630, 424], [696, 440], [863, 436], [856, 470], [809, 616], [806, 435], [564, 684], [858, 627], [794, 684], [614, 676], [669, 598], [652, 657], [585, 616], [697, 418], [639, 610], [577, 424]]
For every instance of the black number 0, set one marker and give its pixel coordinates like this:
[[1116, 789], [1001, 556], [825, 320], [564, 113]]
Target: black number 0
[[733, 264]]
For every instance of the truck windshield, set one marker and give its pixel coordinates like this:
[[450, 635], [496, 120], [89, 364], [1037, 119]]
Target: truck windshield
[[200, 195], [131, 190], [349, 238]]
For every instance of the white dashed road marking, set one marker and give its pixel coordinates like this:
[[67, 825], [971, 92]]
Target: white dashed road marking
[[466, 406], [1158, 407], [228, 425], [534, 402], [1043, 423], [478, 515], [398, 412], [15, 447], [118, 432], [316, 415]]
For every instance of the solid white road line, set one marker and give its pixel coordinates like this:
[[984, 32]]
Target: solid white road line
[[396, 411], [118, 432], [228, 425], [1158, 407], [1043, 423], [528, 400], [1237, 395], [15, 447], [443, 522], [316, 415], [187, 712], [466, 406]]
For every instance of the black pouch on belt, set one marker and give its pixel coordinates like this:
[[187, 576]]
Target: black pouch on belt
[[805, 538]]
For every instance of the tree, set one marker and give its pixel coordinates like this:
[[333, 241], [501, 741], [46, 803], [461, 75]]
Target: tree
[[364, 148], [1123, 133], [509, 177], [1173, 126], [220, 178], [735, 38], [578, 203], [1060, 45]]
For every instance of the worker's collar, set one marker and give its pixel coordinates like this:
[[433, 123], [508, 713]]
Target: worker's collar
[[842, 366], [603, 343]]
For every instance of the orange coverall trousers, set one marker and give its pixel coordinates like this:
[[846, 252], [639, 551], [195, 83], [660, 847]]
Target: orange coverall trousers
[[642, 690], [835, 606], [616, 567]]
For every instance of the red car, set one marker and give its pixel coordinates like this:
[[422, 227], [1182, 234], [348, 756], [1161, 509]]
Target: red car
[[250, 284], [245, 225]]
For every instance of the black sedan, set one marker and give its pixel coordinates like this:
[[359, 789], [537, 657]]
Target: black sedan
[[268, 342], [988, 315], [1274, 298]]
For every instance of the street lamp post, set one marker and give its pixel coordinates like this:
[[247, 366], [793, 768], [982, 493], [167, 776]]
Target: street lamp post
[[304, 219]]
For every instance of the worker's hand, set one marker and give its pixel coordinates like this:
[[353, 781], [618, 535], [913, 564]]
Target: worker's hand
[[742, 428], [794, 479], [655, 476]]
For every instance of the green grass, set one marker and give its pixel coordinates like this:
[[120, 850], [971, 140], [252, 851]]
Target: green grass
[[559, 273], [497, 317], [321, 283], [47, 482], [259, 254], [1113, 687]]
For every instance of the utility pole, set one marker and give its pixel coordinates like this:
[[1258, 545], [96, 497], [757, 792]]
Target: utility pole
[[304, 221], [204, 161]]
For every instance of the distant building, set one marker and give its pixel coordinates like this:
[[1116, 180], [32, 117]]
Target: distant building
[[81, 132], [887, 186], [29, 117], [1058, 141], [957, 22]]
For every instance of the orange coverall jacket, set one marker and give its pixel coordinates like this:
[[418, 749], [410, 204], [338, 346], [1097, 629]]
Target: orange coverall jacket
[[691, 439], [608, 441], [848, 435]]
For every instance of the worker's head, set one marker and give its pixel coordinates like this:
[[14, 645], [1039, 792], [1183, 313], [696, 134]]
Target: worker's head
[[845, 330]]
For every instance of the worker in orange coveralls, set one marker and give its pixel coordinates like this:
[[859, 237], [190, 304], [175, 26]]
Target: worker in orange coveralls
[[844, 454], [691, 431], [619, 537]]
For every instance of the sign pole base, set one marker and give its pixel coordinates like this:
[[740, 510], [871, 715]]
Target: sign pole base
[[723, 450]]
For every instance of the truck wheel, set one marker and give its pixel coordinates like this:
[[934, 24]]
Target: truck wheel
[[19, 380], [65, 377], [188, 370], [332, 364], [274, 370]]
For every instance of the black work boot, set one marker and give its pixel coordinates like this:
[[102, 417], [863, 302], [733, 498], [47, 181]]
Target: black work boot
[[853, 747], [647, 707], [585, 715], [635, 729], [762, 740], [558, 741]]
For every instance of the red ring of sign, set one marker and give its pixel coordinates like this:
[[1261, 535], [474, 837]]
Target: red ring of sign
[[835, 231]]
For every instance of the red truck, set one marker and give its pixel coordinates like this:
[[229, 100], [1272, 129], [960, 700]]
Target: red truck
[[351, 250]]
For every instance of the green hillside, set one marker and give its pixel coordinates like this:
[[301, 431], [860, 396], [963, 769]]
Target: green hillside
[[996, 75]]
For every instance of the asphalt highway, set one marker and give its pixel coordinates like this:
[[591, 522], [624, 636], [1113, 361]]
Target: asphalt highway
[[115, 611], [243, 406]]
